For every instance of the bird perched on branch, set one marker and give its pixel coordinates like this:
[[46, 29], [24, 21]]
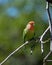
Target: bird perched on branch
[[28, 32]]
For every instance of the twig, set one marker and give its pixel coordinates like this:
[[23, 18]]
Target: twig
[[44, 60], [13, 52], [41, 39], [49, 16], [49, 60], [50, 24], [47, 56]]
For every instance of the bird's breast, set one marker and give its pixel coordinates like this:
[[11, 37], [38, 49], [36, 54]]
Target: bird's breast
[[30, 34]]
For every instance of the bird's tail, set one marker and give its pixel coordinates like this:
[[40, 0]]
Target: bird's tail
[[36, 40]]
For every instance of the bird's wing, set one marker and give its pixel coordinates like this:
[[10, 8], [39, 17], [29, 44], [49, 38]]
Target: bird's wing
[[24, 34]]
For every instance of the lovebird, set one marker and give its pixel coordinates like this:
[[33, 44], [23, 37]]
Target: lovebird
[[29, 33]]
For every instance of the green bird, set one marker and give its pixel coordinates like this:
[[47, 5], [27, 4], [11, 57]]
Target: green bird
[[29, 33]]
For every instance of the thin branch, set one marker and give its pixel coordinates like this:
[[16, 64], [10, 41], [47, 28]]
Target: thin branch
[[45, 59], [41, 37], [49, 60], [47, 56], [50, 24], [13, 52]]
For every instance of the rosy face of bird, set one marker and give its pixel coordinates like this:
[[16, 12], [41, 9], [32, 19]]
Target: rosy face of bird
[[32, 23]]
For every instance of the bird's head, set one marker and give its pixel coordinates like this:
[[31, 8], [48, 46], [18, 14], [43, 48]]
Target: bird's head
[[30, 25]]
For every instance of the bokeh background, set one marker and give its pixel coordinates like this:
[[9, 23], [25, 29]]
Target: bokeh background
[[14, 15]]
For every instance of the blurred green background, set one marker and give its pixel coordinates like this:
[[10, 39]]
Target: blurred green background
[[14, 15]]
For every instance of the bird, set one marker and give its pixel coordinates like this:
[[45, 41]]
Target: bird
[[29, 33]]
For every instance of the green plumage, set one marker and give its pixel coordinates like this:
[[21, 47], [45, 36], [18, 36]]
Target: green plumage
[[27, 35]]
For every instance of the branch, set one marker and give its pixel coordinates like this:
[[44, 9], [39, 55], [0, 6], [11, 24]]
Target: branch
[[50, 25], [49, 28], [49, 16], [45, 59], [41, 39], [14, 52]]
